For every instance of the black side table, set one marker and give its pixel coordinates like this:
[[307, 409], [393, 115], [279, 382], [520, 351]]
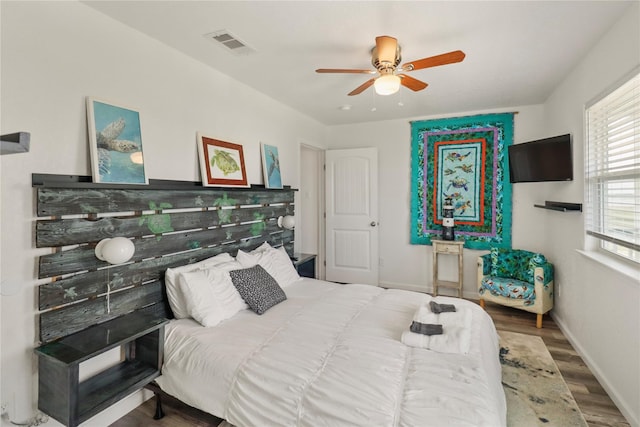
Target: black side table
[[65, 398], [305, 264]]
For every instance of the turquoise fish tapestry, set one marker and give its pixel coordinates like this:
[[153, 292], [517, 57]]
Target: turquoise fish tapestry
[[464, 159]]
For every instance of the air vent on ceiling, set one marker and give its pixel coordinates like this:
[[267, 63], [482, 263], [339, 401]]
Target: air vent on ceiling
[[231, 42]]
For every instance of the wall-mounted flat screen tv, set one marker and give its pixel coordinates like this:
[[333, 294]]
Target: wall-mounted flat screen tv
[[548, 159]]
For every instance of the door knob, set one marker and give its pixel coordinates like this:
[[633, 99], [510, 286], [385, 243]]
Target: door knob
[[373, 224]]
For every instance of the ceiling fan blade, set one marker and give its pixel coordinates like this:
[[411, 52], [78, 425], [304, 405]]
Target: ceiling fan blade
[[386, 47], [434, 61], [341, 70], [362, 87], [413, 84]]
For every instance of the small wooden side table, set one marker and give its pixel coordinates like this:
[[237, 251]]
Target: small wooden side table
[[449, 247]]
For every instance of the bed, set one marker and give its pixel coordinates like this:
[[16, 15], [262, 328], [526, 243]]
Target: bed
[[331, 355], [326, 354]]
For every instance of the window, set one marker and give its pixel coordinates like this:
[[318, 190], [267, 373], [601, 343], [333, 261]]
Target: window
[[613, 170]]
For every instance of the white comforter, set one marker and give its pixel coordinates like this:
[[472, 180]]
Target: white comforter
[[331, 355]]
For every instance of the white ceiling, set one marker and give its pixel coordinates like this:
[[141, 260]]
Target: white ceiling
[[516, 51]]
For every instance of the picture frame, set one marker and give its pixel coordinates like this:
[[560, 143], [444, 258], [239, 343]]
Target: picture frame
[[271, 166], [221, 163], [115, 143]]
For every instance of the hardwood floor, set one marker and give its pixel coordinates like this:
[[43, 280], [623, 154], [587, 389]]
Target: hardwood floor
[[176, 414], [596, 406]]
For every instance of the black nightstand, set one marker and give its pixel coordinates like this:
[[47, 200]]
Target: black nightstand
[[305, 264], [61, 394]]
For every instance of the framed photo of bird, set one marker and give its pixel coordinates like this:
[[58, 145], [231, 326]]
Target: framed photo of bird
[[115, 143], [221, 163], [271, 166]]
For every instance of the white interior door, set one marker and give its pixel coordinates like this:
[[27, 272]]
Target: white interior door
[[351, 179]]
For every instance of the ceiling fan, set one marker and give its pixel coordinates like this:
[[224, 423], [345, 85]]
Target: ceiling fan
[[385, 57]]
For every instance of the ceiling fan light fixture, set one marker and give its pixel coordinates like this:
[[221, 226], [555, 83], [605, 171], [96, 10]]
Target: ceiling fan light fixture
[[387, 84], [385, 58]]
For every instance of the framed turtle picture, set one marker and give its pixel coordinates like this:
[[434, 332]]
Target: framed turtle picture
[[271, 166], [115, 143], [221, 163]]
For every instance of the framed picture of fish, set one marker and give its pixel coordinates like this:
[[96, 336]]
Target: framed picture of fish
[[271, 166], [115, 142], [221, 163]]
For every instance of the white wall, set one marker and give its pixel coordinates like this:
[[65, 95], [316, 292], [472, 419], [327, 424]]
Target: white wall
[[307, 228], [393, 140], [599, 303], [53, 55]]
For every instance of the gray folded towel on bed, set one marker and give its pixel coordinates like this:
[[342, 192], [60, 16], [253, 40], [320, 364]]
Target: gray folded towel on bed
[[441, 308], [426, 328]]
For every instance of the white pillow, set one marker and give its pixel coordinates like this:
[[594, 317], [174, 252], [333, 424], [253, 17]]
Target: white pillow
[[253, 258], [199, 297], [250, 259], [263, 247], [284, 267], [176, 300], [225, 291], [224, 286], [210, 295], [275, 261]]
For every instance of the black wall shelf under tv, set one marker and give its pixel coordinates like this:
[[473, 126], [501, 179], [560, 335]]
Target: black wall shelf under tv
[[561, 206]]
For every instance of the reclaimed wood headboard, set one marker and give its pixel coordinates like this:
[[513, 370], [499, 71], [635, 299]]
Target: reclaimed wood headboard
[[171, 223]]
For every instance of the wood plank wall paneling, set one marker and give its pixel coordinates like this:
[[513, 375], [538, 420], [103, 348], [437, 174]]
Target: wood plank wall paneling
[[171, 223], [76, 317], [79, 230], [70, 201], [83, 257], [82, 286]]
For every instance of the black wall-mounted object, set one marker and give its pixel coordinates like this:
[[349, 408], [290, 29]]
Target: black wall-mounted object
[[548, 159], [14, 143], [561, 206]]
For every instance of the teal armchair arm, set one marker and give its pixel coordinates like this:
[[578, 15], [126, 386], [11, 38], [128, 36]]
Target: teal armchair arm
[[543, 270], [486, 264]]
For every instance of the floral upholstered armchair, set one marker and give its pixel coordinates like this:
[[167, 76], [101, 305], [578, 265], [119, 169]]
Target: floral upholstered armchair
[[516, 278]]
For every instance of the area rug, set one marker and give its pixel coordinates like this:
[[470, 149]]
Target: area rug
[[535, 390]]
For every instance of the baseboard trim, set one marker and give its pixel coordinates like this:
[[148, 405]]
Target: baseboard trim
[[425, 289], [611, 391]]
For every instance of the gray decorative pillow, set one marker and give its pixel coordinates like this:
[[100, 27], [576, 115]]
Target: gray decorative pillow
[[258, 289]]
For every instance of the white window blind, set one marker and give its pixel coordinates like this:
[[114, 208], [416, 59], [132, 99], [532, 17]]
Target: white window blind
[[613, 170]]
